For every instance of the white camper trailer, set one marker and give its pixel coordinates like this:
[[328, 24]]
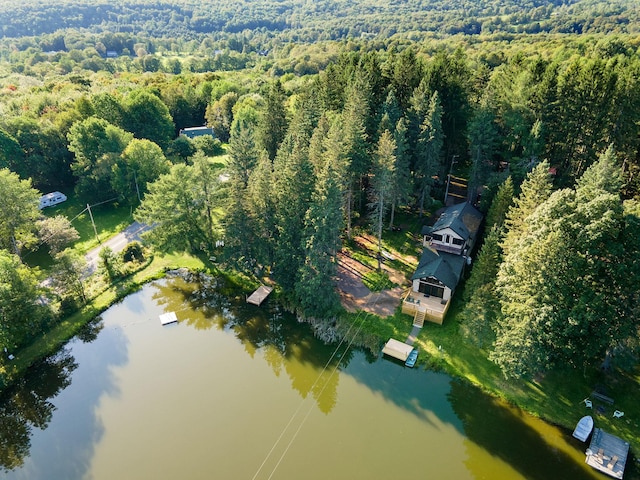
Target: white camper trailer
[[51, 199]]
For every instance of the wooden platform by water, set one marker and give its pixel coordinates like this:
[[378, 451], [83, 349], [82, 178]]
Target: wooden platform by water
[[259, 296]]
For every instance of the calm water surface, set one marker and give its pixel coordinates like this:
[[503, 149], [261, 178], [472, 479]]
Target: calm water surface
[[237, 392]]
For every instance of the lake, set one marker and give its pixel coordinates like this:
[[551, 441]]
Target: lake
[[234, 391]]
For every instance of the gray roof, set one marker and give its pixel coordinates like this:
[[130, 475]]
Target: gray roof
[[446, 267], [462, 218], [192, 132]]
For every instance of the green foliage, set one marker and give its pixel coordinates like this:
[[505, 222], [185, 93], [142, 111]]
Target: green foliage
[[133, 252], [147, 117], [22, 314], [209, 146], [323, 223], [273, 121], [482, 308], [68, 276], [179, 203], [97, 145], [377, 280], [384, 162], [502, 202], [141, 162], [220, 115], [18, 212], [565, 298], [57, 232], [110, 264]]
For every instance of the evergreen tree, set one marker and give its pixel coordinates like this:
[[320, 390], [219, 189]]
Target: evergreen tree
[[535, 190], [429, 157], [483, 141], [449, 74], [273, 121], [355, 116], [293, 182], [243, 150], [401, 183], [482, 307], [260, 209], [502, 202], [323, 223], [382, 184], [562, 281]]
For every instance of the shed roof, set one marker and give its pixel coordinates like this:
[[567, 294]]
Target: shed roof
[[192, 132], [607, 453], [462, 218], [397, 349], [446, 267]]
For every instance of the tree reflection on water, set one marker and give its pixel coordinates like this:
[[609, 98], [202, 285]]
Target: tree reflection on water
[[206, 302], [26, 405]]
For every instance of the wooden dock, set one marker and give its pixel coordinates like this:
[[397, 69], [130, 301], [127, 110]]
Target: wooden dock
[[259, 296], [607, 453]]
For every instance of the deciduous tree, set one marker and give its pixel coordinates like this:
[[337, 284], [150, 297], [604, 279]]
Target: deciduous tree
[[18, 212]]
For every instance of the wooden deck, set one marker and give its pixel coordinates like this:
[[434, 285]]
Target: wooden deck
[[607, 453], [259, 296], [423, 308]]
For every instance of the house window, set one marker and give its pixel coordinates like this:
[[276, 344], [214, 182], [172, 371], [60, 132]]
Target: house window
[[430, 289], [437, 237], [447, 239], [458, 241]]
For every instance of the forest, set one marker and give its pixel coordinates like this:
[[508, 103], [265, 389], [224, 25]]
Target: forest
[[324, 138], [332, 119], [294, 20]]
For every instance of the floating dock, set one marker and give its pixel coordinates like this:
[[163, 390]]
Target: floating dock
[[397, 349], [168, 318], [259, 296], [607, 453]]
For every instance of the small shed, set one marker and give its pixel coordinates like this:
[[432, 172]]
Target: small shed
[[192, 132], [397, 349], [607, 453]]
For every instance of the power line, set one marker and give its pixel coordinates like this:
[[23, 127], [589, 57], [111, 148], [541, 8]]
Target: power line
[[346, 336]]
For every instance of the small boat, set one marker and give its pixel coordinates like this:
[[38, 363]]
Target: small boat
[[411, 359], [583, 429]]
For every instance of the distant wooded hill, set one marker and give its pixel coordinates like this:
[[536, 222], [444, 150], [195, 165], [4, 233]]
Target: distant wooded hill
[[300, 20]]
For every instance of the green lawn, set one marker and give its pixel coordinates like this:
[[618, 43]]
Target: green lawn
[[109, 218], [556, 397]]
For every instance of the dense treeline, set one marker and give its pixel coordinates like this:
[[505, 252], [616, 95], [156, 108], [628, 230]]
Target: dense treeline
[[294, 20], [312, 157]]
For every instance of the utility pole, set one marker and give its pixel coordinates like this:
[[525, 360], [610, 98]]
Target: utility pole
[[135, 178], [446, 192], [93, 223]]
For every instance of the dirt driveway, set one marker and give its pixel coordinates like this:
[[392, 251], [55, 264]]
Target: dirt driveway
[[354, 295]]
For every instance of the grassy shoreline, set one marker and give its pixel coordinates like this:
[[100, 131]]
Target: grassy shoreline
[[556, 398]]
